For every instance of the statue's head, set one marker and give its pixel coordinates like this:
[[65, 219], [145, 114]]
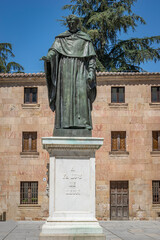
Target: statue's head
[[73, 22]]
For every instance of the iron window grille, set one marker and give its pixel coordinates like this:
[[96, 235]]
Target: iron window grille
[[29, 193], [156, 192]]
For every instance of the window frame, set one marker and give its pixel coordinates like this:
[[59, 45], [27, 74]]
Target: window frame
[[118, 141], [33, 198], [117, 94], [29, 142], [158, 141], [30, 95], [158, 94], [156, 192]]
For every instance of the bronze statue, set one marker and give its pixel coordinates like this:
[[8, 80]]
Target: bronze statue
[[70, 68]]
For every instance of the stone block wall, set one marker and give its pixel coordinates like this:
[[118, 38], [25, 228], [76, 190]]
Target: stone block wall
[[14, 168], [137, 116]]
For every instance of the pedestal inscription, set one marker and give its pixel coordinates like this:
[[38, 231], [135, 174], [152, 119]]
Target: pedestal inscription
[[72, 185]]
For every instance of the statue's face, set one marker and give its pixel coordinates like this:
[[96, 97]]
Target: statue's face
[[72, 24]]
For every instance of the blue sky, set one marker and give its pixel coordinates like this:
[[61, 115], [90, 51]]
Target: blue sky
[[31, 27]]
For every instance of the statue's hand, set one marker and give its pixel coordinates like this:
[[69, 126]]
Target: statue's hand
[[90, 80], [50, 54], [91, 77], [44, 58]]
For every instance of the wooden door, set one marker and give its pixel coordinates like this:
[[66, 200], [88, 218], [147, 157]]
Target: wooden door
[[119, 200]]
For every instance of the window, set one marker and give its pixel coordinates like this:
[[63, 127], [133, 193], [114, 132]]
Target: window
[[155, 94], [29, 193], [117, 94], [118, 141], [30, 95], [156, 140], [29, 142], [156, 192]]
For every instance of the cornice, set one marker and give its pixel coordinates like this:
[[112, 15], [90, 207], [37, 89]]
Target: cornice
[[71, 143], [128, 78], [103, 78], [126, 73], [21, 75], [27, 80]]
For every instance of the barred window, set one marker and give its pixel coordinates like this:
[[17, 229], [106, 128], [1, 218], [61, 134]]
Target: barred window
[[156, 140], [28, 192], [117, 94], [118, 141], [156, 192], [155, 94], [29, 141], [30, 95]]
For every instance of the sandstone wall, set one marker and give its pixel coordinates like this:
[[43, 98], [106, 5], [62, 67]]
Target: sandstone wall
[[138, 117]]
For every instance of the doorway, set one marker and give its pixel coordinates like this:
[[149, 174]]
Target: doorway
[[119, 200]]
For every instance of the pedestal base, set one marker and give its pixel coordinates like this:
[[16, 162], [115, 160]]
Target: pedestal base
[[72, 189], [73, 237], [72, 132], [72, 231]]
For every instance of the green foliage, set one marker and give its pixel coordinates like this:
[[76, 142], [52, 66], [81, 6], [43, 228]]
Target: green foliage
[[104, 20], [5, 66]]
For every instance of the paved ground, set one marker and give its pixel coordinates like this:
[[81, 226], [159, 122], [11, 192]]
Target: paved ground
[[114, 230]]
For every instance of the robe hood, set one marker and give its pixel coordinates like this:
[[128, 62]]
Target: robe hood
[[74, 44], [79, 34]]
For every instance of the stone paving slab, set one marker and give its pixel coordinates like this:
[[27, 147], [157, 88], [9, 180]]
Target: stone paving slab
[[6, 228], [114, 230], [132, 230]]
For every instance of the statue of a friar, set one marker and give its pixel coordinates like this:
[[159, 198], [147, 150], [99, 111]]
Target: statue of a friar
[[70, 68]]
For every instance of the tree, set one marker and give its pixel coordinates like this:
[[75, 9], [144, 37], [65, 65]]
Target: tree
[[5, 66], [104, 20]]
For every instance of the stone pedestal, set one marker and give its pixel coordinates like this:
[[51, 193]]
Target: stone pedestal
[[72, 189]]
